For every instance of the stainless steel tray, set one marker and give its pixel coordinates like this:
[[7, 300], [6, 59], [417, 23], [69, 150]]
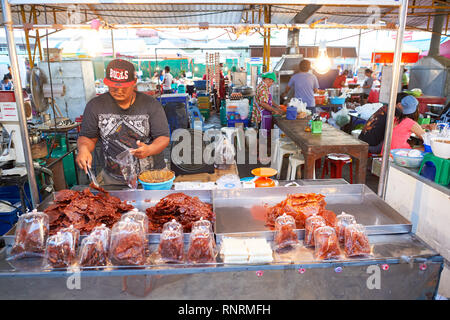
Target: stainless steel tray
[[140, 199], [244, 215]]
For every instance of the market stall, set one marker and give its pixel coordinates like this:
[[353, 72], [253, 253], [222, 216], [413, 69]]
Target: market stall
[[402, 265], [406, 266]]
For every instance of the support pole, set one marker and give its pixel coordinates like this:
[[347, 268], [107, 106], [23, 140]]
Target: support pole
[[27, 35], [392, 99], [112, 44], [18, 93], [37, 40]]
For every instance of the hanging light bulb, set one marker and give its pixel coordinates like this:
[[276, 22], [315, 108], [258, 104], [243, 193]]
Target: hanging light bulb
[[322, 64]]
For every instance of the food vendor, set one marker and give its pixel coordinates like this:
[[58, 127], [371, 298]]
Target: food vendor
[[339, 82], [265, 107], [305, 85], [123, 119], [367, 85]]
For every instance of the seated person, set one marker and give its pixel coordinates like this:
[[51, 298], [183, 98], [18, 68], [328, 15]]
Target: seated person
[[405, 123], [374, 129]]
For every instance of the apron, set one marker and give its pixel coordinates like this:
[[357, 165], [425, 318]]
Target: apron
[[266, 116]]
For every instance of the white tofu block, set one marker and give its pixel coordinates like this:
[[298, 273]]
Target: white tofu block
[[260, 259], [258, 247], [235, 259], [234, 247]]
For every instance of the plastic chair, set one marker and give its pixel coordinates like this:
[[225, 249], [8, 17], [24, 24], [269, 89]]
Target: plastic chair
[[282, 149], [337, 162], [295, 161]]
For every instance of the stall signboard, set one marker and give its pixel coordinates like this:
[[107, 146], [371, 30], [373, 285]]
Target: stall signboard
[[8, 111], [388, 57]]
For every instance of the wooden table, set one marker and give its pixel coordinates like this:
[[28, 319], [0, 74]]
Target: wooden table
[[331, 140]]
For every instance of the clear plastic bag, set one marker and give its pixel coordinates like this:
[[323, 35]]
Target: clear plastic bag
[[31, 235], [94, 248], [201, 247], [137, 216], [207, 225], [356, 241], [172, 225], [326, 244], [62, 248], [171, 245], [311, 224], [128, 165], [285, 236], [343, 220], [224, 153], [128, 243]]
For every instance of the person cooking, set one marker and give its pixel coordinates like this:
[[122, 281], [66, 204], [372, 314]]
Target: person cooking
[[264, 106], [340, 81], [123, 119], [305, 85]]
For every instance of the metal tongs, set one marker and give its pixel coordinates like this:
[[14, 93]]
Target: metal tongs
[[92, 177]]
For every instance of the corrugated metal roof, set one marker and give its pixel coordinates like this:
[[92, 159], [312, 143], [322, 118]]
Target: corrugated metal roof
[[217, 14]]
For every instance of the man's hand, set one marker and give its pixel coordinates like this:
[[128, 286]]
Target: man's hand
[[84, 159], [143, 150]]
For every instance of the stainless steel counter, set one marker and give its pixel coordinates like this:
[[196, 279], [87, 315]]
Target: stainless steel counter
[[414, 268]]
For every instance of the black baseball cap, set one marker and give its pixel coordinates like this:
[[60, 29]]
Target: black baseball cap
[[120, 74]]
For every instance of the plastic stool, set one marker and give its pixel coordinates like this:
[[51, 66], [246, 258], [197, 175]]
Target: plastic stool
[[295, 160], [279, 153], [442, 166], [337, 161]]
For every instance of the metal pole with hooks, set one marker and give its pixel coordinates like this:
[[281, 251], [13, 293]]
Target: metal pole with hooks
[[18, 93]]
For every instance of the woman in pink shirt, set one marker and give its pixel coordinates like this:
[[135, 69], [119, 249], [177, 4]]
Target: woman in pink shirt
[[405, 123]]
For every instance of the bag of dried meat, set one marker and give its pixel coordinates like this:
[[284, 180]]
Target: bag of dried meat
[[94, 248], [171, 245], [285, 235], [137, 216], [326, 243], [172, 225], [343, 220], [356, 241], [128, 244], [312, 223], [205, 224], [62, 247], [31, 236], [201, 247]]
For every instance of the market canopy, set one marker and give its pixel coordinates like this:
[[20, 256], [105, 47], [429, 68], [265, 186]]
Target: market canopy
[[210, 13]]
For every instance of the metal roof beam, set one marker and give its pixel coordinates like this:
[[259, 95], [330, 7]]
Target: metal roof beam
[[394, 3], [306, 13]]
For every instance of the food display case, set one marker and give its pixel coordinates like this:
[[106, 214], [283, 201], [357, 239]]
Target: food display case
[[400, 265]]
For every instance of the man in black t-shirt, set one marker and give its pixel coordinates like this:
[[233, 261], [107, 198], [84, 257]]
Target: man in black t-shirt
[[123, 119]]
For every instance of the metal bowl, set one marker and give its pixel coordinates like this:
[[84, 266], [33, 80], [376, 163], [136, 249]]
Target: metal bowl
[[333, 92], [436, 108]]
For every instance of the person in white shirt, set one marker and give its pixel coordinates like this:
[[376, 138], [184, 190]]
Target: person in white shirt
[[168, 80]]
